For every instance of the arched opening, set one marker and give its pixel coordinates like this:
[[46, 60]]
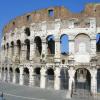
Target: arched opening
[[37, 76], [82, 80], [38, 43], [27, 42], [27, 31], [50, 78], [17, 75], [19, 48], [6, 74], [4, 48], [7, 48], [26, 76], [12, 48], [64, 44], [98, 42], [98, 80], [11, 74], [64, 78], [51, 44], [82, 48]]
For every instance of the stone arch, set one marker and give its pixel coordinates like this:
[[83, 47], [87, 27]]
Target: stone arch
[[64, 44], [26, 76], [64, 77], [37, 76], [82, 38], [27, 31], [11, 74], [50, 78], [38, 43], [98, 80], [51, 44], [7, 48], [82, 48], [17, 75], [82, 79], [19, 48], [12, 48], [98, 42], [27, 42]]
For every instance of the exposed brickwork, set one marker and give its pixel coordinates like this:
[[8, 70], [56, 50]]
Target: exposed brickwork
[[59, 12]]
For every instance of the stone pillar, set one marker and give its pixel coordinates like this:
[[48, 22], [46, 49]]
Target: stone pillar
[[71, 72], [4, 76], [23, 52], [31, 76], [93, 81], [15, 52], [1, 73], [93, 47], [57, 79], [9, 52], [57, 48], [43, 78], [32, 50], [71, 45], [21, 76], [44, 49], [14, 76], [8, 74]]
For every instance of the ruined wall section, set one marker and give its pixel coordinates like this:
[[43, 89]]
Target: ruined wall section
[[91, 10]]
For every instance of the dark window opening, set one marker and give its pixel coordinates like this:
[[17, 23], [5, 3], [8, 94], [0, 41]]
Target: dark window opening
[[50, 73], [13, 23], [38, 44], [7, 45], [17, 70], [12, 47], [28, 18], [37, 71], [27, 31], [19, 47], [26, 71], [51, 12], [51, 44], [27, 42]]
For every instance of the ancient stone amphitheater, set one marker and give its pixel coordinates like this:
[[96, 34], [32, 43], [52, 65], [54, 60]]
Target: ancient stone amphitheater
[[31, 49]]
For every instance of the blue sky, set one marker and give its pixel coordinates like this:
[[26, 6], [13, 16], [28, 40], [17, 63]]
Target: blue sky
[[9, 9]]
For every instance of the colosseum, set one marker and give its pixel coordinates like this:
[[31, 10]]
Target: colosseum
[[53, 48]]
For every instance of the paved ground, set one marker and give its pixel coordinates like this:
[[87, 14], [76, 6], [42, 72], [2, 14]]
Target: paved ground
[[17, 92]]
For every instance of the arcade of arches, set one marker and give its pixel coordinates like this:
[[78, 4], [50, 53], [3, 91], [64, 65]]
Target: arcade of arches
[[61, 72]]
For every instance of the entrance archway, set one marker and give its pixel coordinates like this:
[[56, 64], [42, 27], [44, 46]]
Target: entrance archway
[[26, 76], [98, 80], [17, 73], [64, 78], [82, 81], [50, 78], [37, 76]]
